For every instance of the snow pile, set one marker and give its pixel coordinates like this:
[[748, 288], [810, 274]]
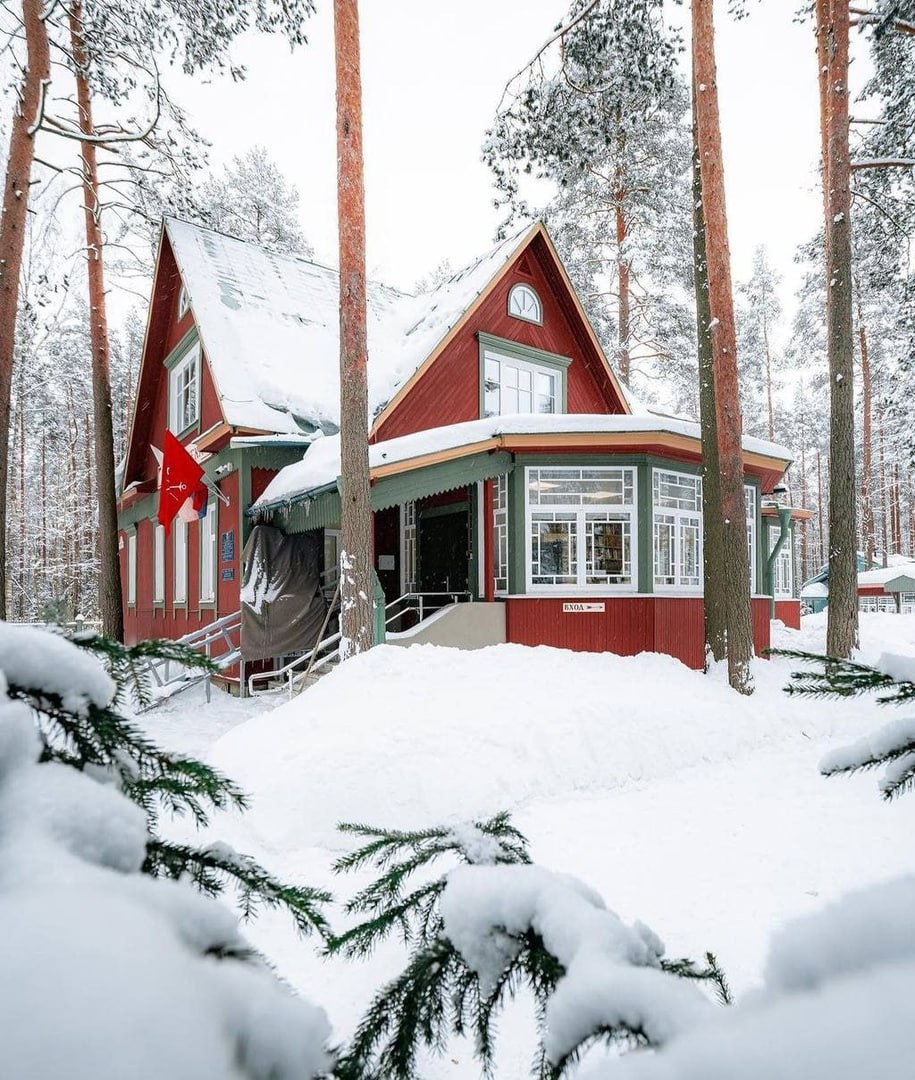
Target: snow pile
[[108, 973], [838, 1003], [612, 971], [404, 736], [31, 656]]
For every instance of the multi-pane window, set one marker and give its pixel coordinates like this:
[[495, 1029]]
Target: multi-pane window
[[525, 304], [516, 386], [408, 546], [500, 533], [131, 568], [184, 392], [907, 603], [180, 591], [781, 572], [184, 302], [581, 527], [750, 496], [677, 529], [207, 527], [159, 565]]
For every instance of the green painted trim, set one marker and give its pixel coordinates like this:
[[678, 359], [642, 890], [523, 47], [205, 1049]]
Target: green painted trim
[[645, 525], [142, 510], [527, 353], [184, 344], [473, 525], [378, 612], [517, 530], [784, 530], [462, 507]]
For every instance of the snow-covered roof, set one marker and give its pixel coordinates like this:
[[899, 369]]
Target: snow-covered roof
[[815, 588], [270, 326], [320, 466], [883, 574]]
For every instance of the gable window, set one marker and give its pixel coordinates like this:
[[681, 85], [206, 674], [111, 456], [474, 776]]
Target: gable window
[[184, 392], [180, 593], [184, 302], [207, 527], [131, 568], [581, 528], [159, 565], [524, 303], [677, 529], [517, 386]]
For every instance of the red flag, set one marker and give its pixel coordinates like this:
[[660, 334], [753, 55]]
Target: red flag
[[180, 477]]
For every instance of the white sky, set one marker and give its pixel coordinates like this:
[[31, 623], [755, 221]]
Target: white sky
[[432, 76]]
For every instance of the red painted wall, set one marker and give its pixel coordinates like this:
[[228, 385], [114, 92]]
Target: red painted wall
[[449, 391], [629, 625], [789, 611]]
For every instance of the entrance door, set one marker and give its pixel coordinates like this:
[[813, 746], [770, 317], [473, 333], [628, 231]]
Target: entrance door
[[444, 552]]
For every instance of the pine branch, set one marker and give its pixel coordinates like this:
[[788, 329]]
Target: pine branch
[[843, 678], [213, 868]]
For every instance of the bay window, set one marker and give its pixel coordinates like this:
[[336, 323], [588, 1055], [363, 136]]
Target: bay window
[[677, 529], [581, 528]]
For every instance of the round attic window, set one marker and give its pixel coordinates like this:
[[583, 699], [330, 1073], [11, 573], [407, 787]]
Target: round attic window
[[524, 303]]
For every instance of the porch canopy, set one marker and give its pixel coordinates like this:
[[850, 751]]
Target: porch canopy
[[306, 495], [902, 583]]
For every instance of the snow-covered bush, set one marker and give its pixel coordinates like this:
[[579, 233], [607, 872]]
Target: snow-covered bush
[[490, 925], [108, 971]]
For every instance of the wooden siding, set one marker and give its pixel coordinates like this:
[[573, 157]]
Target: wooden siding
[[449, 392], [789, 611], [628, 625]]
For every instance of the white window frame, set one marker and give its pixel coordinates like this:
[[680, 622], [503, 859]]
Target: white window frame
[[184, 301], [523, 288], [499, 569], [179, 418], [207, 534], [782, 575], [583, 513], [684, 518], [179, 589], [132, 568], [159, 564], [526, 366], [408, 547], [750, 495]]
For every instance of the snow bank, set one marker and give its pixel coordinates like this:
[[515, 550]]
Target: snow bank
[[408, 736]]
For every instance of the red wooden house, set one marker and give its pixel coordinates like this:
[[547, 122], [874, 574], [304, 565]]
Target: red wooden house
[[509, 465]]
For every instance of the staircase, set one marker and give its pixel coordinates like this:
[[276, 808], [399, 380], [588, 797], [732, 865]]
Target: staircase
[[219, 640]]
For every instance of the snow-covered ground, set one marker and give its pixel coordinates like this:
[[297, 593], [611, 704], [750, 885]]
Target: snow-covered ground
[[684, 805]]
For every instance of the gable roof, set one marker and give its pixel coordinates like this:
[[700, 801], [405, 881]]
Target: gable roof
[[270, 325]]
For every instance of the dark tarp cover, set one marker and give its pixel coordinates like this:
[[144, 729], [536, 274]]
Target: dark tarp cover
[[282, 606]]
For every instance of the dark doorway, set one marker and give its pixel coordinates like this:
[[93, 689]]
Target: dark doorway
[[444, 551]]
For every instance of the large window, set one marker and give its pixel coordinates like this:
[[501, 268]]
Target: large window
[[581, 525], [184, 392], [500, 533], [159, 565], [180, 553], [519, 386], [782, 584], [207, 527], [677, 529]]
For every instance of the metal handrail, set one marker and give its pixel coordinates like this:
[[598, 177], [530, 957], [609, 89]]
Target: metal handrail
[[288, 671], [202, 640], [419, 601]]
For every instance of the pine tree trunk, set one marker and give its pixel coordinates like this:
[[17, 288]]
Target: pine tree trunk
[[897, 512], [12, 233], [724, 354], [356, 588], [624, 310], [713, 535], [769, 405], [867, 463], [805, 525], [881, 446], [822, 530], [842, 617], [109, 598]]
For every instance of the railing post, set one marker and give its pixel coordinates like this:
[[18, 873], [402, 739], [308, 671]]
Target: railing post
[[420, 607]]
